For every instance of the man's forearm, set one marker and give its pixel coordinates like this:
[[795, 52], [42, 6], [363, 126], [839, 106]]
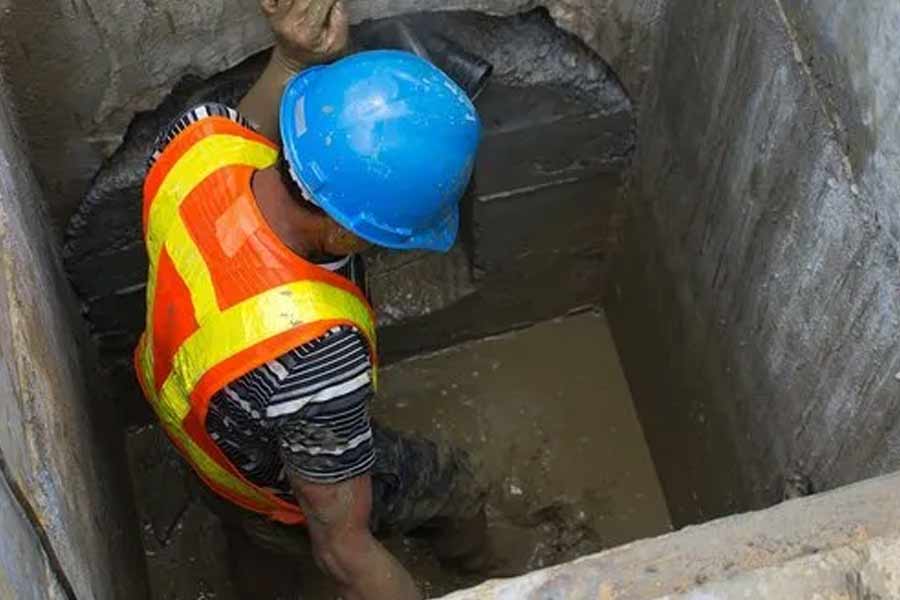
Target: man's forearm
[[344, 547], [262, 102], [365, 570], [307, 32]]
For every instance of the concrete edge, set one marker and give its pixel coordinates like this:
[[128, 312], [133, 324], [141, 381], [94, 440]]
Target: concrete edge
[[853, 516]]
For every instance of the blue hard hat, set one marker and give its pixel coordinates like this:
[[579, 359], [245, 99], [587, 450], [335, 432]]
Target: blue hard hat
[[384, 142]]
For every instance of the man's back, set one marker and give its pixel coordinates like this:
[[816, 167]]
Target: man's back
[[267, 368]]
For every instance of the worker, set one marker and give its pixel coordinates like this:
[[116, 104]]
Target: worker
[[259, 354]]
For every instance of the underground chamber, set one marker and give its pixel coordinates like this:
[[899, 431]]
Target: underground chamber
[[503, 346], [500, 346]]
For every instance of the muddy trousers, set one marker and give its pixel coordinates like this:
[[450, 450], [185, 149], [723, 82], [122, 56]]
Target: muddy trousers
[[417, 485]]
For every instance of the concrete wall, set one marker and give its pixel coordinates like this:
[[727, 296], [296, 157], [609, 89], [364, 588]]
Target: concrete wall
[[757, 307], [67, 530], [80, 69], [849, 49]]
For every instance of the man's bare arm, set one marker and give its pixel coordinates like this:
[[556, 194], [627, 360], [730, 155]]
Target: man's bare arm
[[343, 545], [308, 32]]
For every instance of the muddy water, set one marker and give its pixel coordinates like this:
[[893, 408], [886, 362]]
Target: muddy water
[[547, 414]]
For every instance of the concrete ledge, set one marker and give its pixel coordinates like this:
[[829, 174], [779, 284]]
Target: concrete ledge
[[836, 544]]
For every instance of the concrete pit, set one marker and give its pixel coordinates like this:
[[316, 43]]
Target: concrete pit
[[713, 185], [559, 134]]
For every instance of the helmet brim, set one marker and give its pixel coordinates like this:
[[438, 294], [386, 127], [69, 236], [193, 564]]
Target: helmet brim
[[441, 237]]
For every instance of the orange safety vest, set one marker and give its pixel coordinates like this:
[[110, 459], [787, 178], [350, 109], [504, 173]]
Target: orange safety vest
[[224, 294]]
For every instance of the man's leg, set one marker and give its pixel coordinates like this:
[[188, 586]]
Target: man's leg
[[418, 487], [423, 487]]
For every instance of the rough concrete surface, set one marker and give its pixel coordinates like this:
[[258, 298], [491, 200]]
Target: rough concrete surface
[[25, 570], [841, 545], [849, 49], [865, 571], [81, 69], [756, 305], [746, 211], [65, 512]]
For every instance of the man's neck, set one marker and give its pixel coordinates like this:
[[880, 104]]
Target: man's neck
[[300, 230]]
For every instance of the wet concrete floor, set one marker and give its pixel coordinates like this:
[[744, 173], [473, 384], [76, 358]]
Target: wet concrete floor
[[547, 413]]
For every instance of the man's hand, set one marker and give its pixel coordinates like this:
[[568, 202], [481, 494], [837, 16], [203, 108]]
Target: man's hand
[[308, 31]]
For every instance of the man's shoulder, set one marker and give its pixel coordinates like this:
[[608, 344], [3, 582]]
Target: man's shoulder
[[193, 115], [329, 371]]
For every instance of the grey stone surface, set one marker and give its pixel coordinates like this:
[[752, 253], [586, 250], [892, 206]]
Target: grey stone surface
[[64, 482], [25, 571], [841, 545], [570, 217], [756, 305], [533, 289], [81, 70], [850, 51], [864, 571], [541, 139]]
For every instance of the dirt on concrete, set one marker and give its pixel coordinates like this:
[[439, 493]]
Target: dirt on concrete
[[545, 411], [547, 414]]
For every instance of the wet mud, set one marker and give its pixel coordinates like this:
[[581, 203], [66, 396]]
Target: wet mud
[[547, 414]]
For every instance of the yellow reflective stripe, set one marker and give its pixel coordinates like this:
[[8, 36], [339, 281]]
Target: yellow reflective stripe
[[193, 270], [146, 365], [253, 321], [242, 326], [147, 353], [174, 426], [203, 159]]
